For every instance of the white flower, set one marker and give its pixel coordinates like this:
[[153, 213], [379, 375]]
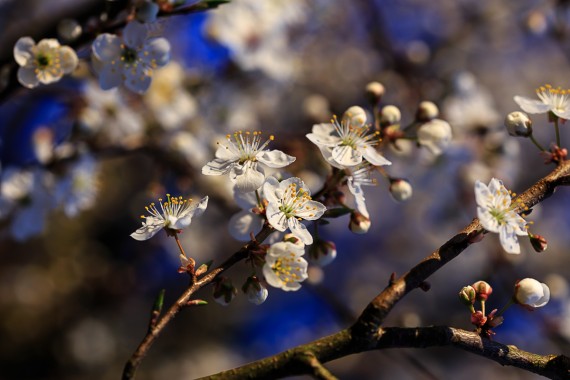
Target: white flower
[[401, 189], [44, 63], [240, 158], [497, 215], [531, 293], [555, 100], [290, 201], [130, 59], [174, 214], [284, 267], [435, 135], [245, 222], [356, 178], [347, 143], [518, 124]]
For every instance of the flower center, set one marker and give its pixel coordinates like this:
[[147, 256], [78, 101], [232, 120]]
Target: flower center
[[43, 60], [286, 269], [293, 200], [499, 215], [246, 145], [557, 98], [128, 55], [352, 136], [172, 209]]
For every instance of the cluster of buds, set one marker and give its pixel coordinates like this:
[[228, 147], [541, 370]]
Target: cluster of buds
[[529, 293], [480, 291]]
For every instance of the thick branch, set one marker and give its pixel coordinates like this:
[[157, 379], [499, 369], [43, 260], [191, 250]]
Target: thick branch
[[366, 334], [343, 344], [373, 316], [154, 331]]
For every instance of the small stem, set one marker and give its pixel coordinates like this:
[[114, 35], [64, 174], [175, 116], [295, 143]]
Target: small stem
[[557, 132], [483, 306], [179, 245], [259, 203], [537, 143], [504, 308]]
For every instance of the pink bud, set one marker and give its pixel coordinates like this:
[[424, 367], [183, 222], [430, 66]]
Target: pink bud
[[483, 290]]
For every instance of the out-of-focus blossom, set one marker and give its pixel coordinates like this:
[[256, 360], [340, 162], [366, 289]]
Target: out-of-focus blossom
[[69, 29], [555, 100], [427, 111], [130, 59], [284, 267], [191, 148], [530, 292], [359, 223], [390, 115], [347, 143], [322, 253], [289, 201], [240, 159], [171, 104], [497, 215], [107, 113], [256, 32], [77, 190], [146, 10], [174, 214], [374, 92], [44, 63], [255, 291], [435, 135]]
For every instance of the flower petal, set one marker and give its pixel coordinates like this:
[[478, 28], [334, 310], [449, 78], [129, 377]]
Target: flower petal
[[218, 167], [137, 79], [247, 177], [373, 156], [156, 52], [346, 156], [243, 223], [312, 210], [150, 227], [23, 51], [298, 229], [274, 158], [271, 189], [106, 47], [276, 217], [69, 59], [531, 105], [134, 34], [27, 77], [509, 239], [110, 76]]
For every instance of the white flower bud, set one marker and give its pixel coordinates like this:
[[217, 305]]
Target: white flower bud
[[400, 189], [427, 111], [69, 30], [374, 92], [435, 135], [390, 115], [294, 240], [256, 292], [359, 224], [518, 124], [355, 115], [531, 293], [322, 252]]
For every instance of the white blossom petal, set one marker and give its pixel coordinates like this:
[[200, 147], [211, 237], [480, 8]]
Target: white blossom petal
[[27, 77], [531, 105], [247, 178], [23, 51], [106, 47], [110, 77], [346, 155], [157, 52], [243, 223], [298, 229], [150, 227], [372, 156], [134, 34], [69, 59], [275, 217], [274, 158], [218, 167], [312, 210]]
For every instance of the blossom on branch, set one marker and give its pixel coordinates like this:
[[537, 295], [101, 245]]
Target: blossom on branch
[[289, 202], [130, 59], [348, 142], [240, 158], [496, 214], [555, 100], [174, 214], [531, 293], [44, 63], [284, 267], [435, 135]]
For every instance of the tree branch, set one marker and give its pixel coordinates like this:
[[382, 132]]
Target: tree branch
[[154, 331], [367, 334]]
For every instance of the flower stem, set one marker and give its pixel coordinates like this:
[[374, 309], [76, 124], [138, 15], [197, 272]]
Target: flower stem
[[179, 245], [557, 132], [259, 203], [504, 308], [483, 306], [537, 143]]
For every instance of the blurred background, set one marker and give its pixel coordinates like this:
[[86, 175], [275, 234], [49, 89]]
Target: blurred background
[[78, 165]]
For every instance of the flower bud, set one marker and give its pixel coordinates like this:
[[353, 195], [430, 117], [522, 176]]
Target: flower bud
[[255, 291], [374, 92], [483, 290], [538, 242], [293, 239], [359, 224], [427, 111], [518, 124], [400, 189], [355, 116], [467, 295], [435, 135], [224, 291], [478, 318], [322, 252], [531, 293], [390, 115]]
